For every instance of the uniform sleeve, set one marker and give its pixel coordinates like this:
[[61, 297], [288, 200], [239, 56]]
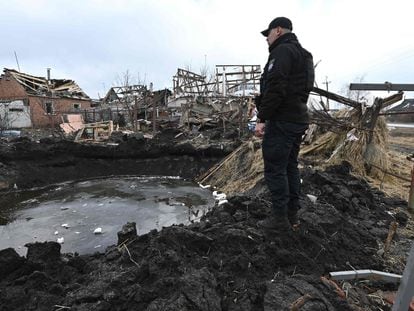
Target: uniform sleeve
[[278, 70]]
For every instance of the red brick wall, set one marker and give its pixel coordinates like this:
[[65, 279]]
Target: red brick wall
[[60, 105], [10, 88]]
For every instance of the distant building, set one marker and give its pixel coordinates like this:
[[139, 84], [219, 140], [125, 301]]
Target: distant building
[[403, 112], [135, 101], [30, 101]]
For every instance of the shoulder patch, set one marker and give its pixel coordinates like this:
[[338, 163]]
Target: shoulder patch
[[271, 64]]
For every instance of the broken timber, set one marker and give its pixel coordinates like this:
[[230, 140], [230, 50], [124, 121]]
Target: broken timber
[[338, 98], [95, 131]]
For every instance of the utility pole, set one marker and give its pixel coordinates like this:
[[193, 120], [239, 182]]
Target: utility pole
[[154, 111], [327, 89], [135, 123], [17, 60]]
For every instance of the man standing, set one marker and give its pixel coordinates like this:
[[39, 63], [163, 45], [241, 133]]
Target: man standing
[[285, 85]]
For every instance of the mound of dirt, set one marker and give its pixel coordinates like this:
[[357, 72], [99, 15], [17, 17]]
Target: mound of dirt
[[26, 164], [223, 262]]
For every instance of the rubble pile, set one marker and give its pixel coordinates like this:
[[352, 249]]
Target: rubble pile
[[224, 262]]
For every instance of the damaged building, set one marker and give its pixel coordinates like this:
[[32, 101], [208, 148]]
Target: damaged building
[[134, 104], [225, 97], [39, 102]]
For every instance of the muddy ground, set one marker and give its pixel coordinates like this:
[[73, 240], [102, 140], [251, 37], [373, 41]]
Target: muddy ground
[[26, 163], [224, 262]]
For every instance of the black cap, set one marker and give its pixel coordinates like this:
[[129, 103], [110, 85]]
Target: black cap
[[283, 22]]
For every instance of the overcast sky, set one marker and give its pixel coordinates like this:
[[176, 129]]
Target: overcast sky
[[95, 42]]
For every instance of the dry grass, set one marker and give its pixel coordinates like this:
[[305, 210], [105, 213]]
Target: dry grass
[[240, 171], [379, 153], [356, 146]]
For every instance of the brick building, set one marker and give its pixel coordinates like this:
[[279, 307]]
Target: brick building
[[46, 99]]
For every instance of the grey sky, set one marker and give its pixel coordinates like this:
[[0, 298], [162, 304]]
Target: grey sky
[[94, 42]]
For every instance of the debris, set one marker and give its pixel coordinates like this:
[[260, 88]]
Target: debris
[[97, 231], [220, 196], [95, 132], [298, 303], [350, 136], [60, 240], [71, 123], [391, 233], [66, 226], [364, 145], [332, 284], [56, 233], [128, 233], [365, 274], [221, 202], [204, 187], [312, 198]]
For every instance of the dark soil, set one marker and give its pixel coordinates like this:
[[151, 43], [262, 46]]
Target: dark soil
[[224, 262], [25, 163]]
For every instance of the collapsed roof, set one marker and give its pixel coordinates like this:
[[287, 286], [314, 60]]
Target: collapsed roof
[[406, 105], [229, 80], [42, 86], [126, 93]]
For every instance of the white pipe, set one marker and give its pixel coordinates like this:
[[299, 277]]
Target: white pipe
[[365, 274]]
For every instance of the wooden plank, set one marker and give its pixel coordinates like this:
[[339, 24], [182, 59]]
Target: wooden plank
[[337, 98], [388, 101], [391, 233], [309, 134]]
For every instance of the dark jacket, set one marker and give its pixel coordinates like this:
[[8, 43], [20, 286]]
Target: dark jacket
[[285, 84]]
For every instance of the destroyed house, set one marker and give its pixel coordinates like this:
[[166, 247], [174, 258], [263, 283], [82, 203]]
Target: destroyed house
[[44, 99], [136, 102], [124, 95]]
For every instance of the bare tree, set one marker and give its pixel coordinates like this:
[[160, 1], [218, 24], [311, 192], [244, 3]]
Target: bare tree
[[6, 118], [131, 93], [357, 95]]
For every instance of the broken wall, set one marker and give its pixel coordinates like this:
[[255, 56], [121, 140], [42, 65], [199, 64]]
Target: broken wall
[[47, 112]]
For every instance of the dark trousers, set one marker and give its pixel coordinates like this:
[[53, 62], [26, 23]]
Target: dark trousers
[[280, 147]]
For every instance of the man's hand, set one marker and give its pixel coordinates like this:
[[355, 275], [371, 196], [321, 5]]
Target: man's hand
[[259, 129]]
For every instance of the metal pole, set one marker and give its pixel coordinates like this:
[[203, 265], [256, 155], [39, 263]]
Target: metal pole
[[411, 195], [135, 114], [327, 89], [17, 60], [154, 111], [406, 290], [224, 82]]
